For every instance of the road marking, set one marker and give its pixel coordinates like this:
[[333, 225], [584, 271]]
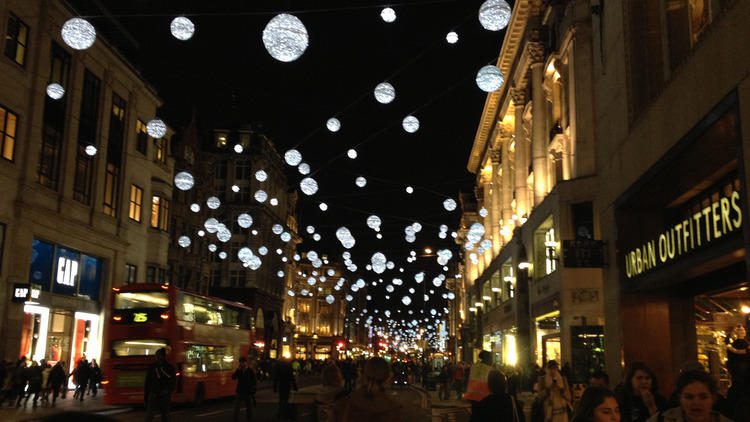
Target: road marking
[[212, 413]]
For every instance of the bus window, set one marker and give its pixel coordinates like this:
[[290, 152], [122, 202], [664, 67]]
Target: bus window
[[141, 300], [140, 347], [201, 358]]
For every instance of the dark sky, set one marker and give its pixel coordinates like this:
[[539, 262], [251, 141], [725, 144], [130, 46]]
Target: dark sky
[[225, 72]]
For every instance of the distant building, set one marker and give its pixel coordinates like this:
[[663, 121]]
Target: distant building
[[73, 225]]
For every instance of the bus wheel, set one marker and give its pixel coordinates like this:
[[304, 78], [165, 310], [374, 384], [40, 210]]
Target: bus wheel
[[200, 395]]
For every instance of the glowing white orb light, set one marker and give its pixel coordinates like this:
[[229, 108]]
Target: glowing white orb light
[[274, 202], [213, 202], [156, 128], [244, 220], [352, 153], [494, 14], [449, 204], [330, 299], [194, 207], [277, 229], [261, 175], [238, 148], [345, 237], [483, 212], [490, 78], [285, 37], [235, 188], [184, 180], [388, 15], [78, 33], [476, 231], [452, 37], [212, 247], [406, 300], [293, 157], [385, 93], [261, 196], [90, 150], [308, 185], [55, 91], [374, 222], [410, 124], [323, 206], [182, 28], [223, 255], [378, 261], [304, 169], [360, 181], [183, 241], [409, 190], [333, 124]]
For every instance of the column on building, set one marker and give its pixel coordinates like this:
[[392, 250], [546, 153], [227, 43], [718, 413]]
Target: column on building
[[489, 194], [507, 180], [497, 196], [539, 133], [521, 153]]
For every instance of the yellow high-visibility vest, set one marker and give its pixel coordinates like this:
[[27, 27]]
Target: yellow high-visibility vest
[[477, 388]]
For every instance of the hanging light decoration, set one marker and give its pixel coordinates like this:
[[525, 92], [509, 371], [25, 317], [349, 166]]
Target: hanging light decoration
[[388, 15], [333, 124], [261, 175], [78, 33], [410, 124], [195, 207], [345, 237], [238, 148], [213, 202], [384, 93], [55, 91], [184, 180], [261, 196], [156, 128], [360, 181], [452, 37], [323, 206], [308, 185], [494, 14], [304, 169], [244, 220], [90, 150], [449, 204], [490, 78], [183, 241], [285, 37], [182, 28], [293, 157]]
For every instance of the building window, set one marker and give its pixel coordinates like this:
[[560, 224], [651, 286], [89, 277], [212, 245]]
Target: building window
[[16, 39], [237, 278], [110, 190], [131, 272], [220, 170], [545, 249], [160, 155], [162, 276], [150, 274], [141, 137], [87, 128], [550, 256], [221, 139], [136, 203], [242, 170], [53, 127], [216, 277], [83, 176], [8, 125], [114, 155], [159, 213]]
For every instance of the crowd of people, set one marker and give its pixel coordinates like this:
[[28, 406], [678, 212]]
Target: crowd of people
[[28, 379]]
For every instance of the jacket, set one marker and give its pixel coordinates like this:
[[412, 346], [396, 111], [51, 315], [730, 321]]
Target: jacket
[[497, 407], [246, 382], [160, 380], [675, 415], [56, 376], [477, 388], [362, 407]]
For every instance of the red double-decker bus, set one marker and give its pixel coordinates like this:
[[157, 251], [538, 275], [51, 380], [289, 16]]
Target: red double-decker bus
[[204, 338]]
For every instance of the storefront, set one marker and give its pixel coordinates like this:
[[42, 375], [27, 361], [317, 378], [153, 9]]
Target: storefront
[[61, 309], [680, 252]]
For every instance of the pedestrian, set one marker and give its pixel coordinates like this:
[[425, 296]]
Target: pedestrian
[[56, 379], [637, 394], [95, 377], [160, 382], [34, 379], [599, 379], [332, 389], [46, 369], [81, 375], [597, 404], [283, 383], [18, 381], [554, 392], [458, 379], [697, 391], [246, 386], [477, 388], [498, 405], [369, 403]]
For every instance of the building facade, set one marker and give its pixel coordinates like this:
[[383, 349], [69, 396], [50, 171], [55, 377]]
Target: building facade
[[673, 98], [534, 158], [73, 224]]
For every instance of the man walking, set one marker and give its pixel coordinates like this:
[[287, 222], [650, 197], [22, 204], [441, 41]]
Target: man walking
[[160, 382], [246, 386], [477, 388], [283, 383]]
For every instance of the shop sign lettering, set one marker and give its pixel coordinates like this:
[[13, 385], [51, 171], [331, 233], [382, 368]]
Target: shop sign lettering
[[721, 218]]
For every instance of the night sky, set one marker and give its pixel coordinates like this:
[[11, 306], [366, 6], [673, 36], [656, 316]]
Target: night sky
[[225, 73]]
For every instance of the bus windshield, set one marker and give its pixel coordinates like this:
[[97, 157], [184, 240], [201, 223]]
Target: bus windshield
[[139, 347], [141, 300]]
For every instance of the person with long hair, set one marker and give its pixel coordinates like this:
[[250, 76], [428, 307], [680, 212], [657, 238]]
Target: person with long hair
[[638, 395], [498, 405], [697, 392], [597, 404], [369, 403]]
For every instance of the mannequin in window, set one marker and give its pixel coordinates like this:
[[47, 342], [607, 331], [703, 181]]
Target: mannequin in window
[[737, 351]]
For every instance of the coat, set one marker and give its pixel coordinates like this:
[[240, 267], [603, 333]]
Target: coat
[[675, 415], [497, 407], [362, 407]]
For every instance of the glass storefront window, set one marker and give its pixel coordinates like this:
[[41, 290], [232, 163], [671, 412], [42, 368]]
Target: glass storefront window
[[202, 358], [42, 255], [137, 347], [141, 300]]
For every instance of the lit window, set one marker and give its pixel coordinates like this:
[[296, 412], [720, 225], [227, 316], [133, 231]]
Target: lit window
[[136, 203], [161, 150], [16, 39], [159, 213], [8, 124], [141, 137], [550, 255]]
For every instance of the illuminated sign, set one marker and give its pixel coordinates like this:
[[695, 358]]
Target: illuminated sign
[[26, 292], [67, 270], [140, 317], [722, 217]]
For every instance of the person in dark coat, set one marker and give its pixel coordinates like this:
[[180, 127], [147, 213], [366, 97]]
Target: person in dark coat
[[20, 379], [56, 379], [160, 382], [283, 382], [498, 405], [81, 375], [246, 387], [95, 377]]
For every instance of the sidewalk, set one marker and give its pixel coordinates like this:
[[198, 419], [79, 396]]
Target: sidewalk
[[29, 413]]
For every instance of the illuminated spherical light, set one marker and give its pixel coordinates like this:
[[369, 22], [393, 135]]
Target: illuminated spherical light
[[437, 282], [55, 91], [308, 186], [223, 234], [361, 283], [182, 28], [261, 175], [385, 93], [290, 292], [184, 180], [374, 222], [183, 241], [494, 14], [310, 229], [388, 15], [223, 255], [274, 202], [285, 37], [293, 157], [410, 124], [452, 37], [244, 220], [195, 207], [476, 231], [330, 299], [254, 232], [244, 254], [238, 148], [389, 288], [304, 169], [260, 196], [285, 237], [90, 150], [254, 263], [352, 153], [304, 292], [333, 124], [349, 298], [345, 237], [406, 300], [156, 128], [379, 236], [360, 181], [486, 244], [483, 212], [277, 229], [311, 281], [316, 237], [490, 78], [323, 206], [409, 190], [235, 188], [280, 274], [213, 202], [78, 33], [449, 204], [378, 261]]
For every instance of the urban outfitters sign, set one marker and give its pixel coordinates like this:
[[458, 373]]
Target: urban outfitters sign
[[695, 231]]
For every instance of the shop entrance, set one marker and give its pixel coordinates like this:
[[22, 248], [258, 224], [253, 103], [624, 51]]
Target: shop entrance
[[551, 349], [34, 332]]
